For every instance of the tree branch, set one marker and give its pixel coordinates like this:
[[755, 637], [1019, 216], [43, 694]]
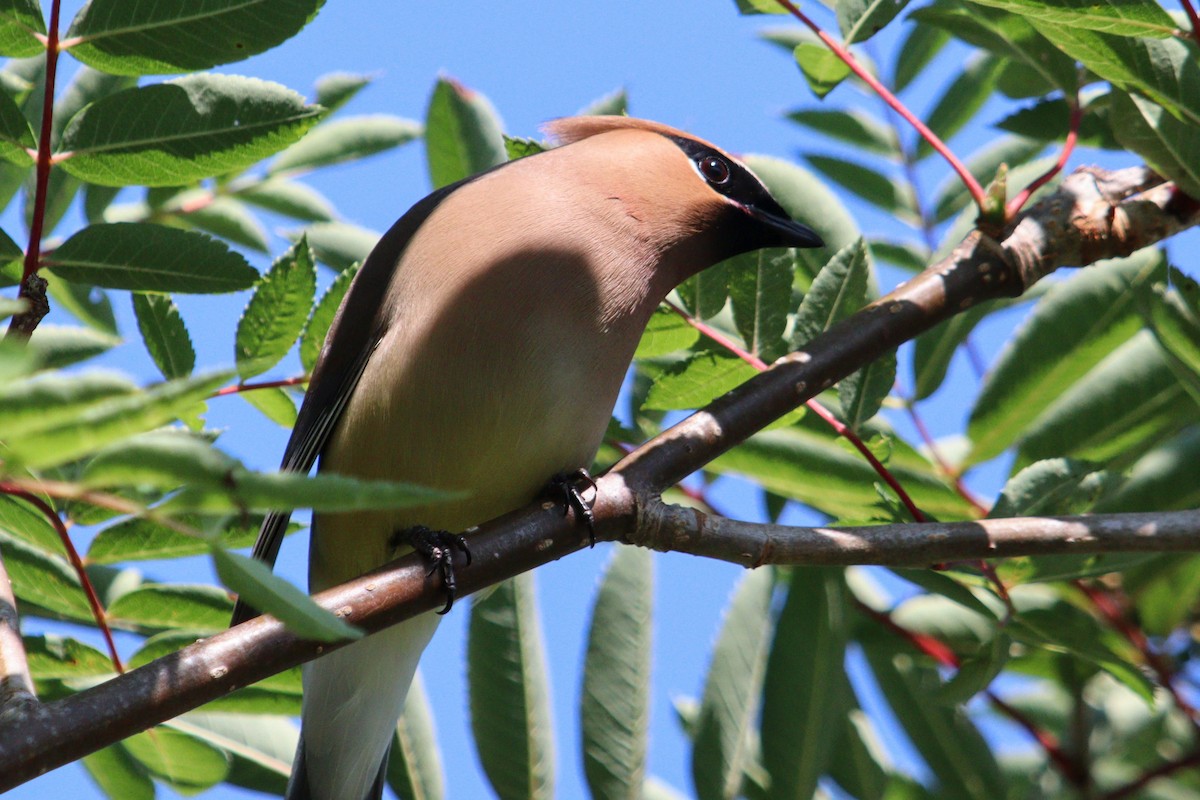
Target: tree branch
[[1093, 215]]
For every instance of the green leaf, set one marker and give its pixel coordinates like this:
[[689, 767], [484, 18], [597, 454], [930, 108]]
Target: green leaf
[[963, 98], [517, 147], [183, 761], [181, 36], [290, 198], [807, 199], [338, 88], [89, 305], [165, 335], [221, 216], [1054, 487], [16, 137], [138, 539], [345, 140], [261, 748], [276, 312], [275, 403], [760, 288], [174, 133], [44, 580], [1174, 318], [821, 68], [937, 346], [58, 346], [976, 673], [414, 769], [876, 188], [176, 606], [805, 462], [1129, 401], [694, 382], [1006, 35], [920, 47], [338, 244], [858, 758], [462, 133], [859, 20], [666, 333], [101, 419], [839, 290], [759, 7], [52, 656], [615, 700], [1168, 144], [118, 774], [20, 519], [20, 23], [862, 393], [854, 127], [146, 257], [724, 727], [1049, 120], [257, 585], [55, 398], [1071, 329], [1143, 18], [614, 103], [1161, 479], [704, 294], [312, 338], [945, 737], [510, 706], [800, 698]]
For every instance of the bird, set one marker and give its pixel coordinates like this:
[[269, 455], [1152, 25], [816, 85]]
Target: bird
[[480, 348]]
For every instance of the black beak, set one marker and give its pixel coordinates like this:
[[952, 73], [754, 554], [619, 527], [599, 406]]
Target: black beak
[[789, 232]]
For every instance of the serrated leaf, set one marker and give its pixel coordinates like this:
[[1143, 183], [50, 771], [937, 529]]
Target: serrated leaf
[[1071, 329], [800, 698], [44, 580], [165, 334], [1107, 16], [961, 100], [615, 700], [462, 133], [261, 589], [58, 440], [338, 88], [290, 198], [226, 217], [345, 140], [138, 539], [274, 403], [145, 257], [704, 294], [183, 761], [821, 68], [694, 382], [839, 290], [666, 333], [16, 137], [1169, 145], [180, 36], [1054, 487], [414, 769], [864, 182], [852, 126], [312, 338], [1049, 120], [517, 147], [194, 607], [51, 656], [55, 398], [177, 132], [725, 723], [862, 393], [338, 244], [859, 20], [58, 346], [18, 518], [760, 288], [20, 24], [276, 312], [510, 707]]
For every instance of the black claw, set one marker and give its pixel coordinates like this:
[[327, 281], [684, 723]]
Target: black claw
[[438, 548], [564, 486]]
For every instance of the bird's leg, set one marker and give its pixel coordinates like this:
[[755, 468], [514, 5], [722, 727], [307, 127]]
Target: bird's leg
[[564, 486], [438, 549]]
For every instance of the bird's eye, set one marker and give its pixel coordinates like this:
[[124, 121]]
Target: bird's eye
[[714, 169]]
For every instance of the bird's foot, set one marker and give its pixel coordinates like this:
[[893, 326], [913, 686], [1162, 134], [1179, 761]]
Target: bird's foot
[[565, 486], [438, 549]]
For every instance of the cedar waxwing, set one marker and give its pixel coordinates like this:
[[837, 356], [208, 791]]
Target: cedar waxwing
[[481, 348]]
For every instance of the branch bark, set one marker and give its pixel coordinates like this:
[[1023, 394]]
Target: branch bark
[[1093, 215]]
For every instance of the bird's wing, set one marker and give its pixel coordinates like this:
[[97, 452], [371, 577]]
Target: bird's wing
[[355, 331]]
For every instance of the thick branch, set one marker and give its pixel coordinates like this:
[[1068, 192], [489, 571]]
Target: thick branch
[[56, 733]]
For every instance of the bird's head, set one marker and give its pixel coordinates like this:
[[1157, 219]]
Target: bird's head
[[676, 185]]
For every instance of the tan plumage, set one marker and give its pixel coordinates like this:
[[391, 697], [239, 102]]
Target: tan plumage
[[501, 316]]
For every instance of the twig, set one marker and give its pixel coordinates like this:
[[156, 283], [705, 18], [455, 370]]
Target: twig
[[1193, 19], [1017, 203], [1135, 787], [33, 287], [249, 387]]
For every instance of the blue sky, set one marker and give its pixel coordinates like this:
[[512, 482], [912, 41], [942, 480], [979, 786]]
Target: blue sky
[[695, 65]]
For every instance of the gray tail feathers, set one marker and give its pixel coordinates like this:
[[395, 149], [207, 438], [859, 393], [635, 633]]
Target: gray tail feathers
[[299, 789]]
